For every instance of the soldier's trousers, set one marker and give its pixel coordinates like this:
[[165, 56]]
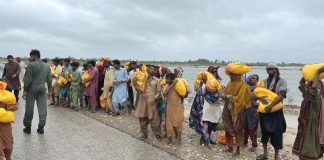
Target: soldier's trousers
[[37, 94]]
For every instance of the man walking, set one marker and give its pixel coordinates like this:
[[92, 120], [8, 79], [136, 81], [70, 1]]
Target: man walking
[[37, 74], [11, 76]]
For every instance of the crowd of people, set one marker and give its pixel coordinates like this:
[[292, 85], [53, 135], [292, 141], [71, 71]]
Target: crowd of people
[[110, 85]]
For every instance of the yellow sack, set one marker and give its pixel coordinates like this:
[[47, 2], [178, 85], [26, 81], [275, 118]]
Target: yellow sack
[[212, 84], [182, 87], [237, 68], [269, 97], [260, 84], [8, 98], [85, 76], [144, 68], [309, 71], [127, 66], [141, 78], [6, 116], [53, 68], [62, 81]]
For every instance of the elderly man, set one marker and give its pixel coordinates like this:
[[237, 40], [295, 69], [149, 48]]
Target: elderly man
[[109, 86], [273, 125], [11, 76]]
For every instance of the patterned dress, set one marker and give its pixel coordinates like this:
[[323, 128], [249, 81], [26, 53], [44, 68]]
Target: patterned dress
[[307, 142]]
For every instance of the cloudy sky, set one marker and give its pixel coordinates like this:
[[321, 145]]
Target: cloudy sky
[[244, 30]]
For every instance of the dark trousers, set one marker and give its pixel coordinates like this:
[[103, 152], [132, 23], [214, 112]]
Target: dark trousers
[[16, 92], [131, 96]]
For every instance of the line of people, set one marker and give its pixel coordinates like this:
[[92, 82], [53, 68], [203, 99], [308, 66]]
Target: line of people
[[157, 102]]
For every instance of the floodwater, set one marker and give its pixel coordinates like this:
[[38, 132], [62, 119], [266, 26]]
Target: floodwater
[[291, 74]]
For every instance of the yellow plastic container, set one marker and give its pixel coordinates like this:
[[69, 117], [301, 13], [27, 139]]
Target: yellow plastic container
[[181, 87], [269, 97], [237, 68], [309, 71]]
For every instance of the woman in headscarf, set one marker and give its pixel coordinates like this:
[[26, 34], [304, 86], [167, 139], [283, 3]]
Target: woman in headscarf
[[237, 99], [252, 116], [178, 72], [309, 139], [206, 110]]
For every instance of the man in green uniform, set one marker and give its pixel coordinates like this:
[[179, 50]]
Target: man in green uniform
[[75, 85], [37, 74]]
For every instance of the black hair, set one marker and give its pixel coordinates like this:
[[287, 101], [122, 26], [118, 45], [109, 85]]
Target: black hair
[[56, 60], [217, 76], [75, 64], [45, 60], [108, 64], [116, 61], [92, 62], [133, 62], [35, 52], [172, 76], [85, 65], [9, 56], [67, 60]]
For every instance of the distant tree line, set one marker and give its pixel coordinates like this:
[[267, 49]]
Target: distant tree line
[[198, 62]]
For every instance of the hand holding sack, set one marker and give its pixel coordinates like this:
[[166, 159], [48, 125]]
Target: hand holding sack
[[212, 84], [309, 71], [268, 97], [6, 98]]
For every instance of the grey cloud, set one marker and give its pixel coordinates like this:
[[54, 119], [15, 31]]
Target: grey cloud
[[250, 30]]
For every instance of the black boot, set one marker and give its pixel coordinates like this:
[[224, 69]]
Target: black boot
[[40, 130], [27, 130]]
